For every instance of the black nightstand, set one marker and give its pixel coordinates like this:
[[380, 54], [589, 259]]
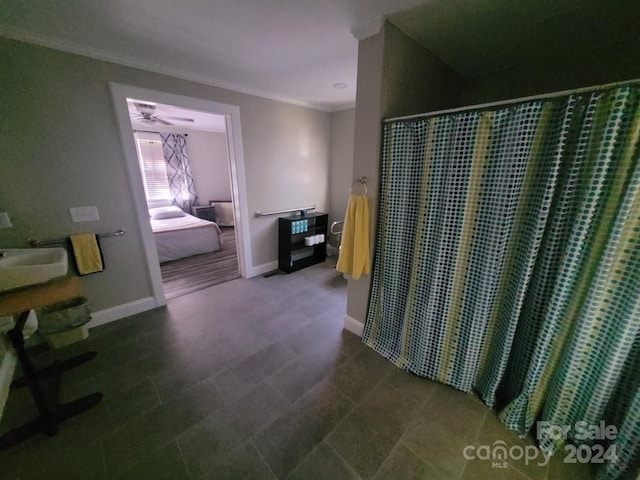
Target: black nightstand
[[206, 212]]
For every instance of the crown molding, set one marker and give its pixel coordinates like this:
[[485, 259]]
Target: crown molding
[[95, 53], [367, 30]]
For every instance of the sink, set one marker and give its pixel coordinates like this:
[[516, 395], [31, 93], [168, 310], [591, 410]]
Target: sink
[[21, 267]]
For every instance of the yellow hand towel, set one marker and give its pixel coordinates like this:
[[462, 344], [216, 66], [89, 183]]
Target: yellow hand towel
[[87, 253], [354, 248]]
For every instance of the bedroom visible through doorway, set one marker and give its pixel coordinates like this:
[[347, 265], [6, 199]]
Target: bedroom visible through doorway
[[184, 163]]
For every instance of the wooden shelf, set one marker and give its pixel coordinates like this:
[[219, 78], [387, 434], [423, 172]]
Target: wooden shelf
[[38, 296]]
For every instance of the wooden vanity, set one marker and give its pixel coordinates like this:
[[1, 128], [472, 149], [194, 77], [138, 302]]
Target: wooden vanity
[[18, 303]]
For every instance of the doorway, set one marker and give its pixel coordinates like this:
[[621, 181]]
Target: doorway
[[183, 157], [231, 114]]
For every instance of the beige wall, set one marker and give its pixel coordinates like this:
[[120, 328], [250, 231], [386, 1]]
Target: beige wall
[[209, 156], [60, 148], [341, 167], [396, 76], [595, 67]]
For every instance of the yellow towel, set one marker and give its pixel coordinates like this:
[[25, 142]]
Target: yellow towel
[[354, 248], [87, 253]]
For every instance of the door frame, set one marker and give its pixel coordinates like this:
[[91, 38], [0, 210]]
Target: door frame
[[119, 95]]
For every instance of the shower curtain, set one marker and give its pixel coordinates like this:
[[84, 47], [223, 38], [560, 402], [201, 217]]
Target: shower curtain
[[507, 260]]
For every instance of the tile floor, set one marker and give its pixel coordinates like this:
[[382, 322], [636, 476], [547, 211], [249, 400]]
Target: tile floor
[[255, 379]]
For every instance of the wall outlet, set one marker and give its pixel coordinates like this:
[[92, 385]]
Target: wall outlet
[[5, 222], [84, 214]]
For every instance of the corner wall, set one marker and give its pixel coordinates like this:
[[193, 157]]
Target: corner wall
[[341, 166], [396, 76]]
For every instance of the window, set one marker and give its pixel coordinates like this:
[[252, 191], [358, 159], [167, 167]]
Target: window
[[153, 167]]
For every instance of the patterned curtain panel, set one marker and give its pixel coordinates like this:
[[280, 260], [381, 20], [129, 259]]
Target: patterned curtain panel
[[508, 260], [181, 186]]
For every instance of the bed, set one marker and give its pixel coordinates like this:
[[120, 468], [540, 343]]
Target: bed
[[179, 235]]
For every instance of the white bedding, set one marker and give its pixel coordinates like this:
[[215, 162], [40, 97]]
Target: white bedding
[[185, 236]]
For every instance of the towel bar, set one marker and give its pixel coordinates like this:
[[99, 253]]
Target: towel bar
[[34, 242], [276, 212]]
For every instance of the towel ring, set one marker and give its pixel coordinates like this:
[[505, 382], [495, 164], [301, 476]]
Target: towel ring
[[362, 181]]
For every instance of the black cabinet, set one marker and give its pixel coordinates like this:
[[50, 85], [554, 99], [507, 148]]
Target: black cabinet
[[302, 241], [206, 212]]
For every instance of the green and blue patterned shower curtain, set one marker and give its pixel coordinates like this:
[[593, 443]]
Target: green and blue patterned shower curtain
[[181, 185], [508, 260]]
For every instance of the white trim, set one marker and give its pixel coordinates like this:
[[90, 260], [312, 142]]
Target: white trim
[[353, 325], [367, 30], [112, 314], [140, 64], [342, 108], [262, 269], [119, 94]]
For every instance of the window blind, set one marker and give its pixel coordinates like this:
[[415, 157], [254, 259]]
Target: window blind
[[153, 166]]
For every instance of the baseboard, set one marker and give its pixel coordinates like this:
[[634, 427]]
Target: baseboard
[[353, 325], [121, 311], [262, 269]]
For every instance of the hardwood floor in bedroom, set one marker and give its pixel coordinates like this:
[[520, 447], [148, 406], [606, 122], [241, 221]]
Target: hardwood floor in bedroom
[[187, 275]]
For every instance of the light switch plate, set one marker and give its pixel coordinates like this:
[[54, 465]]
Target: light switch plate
[[84, 214], [5, 222]]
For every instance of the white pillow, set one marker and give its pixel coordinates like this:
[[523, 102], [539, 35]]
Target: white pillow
[[165, 212]]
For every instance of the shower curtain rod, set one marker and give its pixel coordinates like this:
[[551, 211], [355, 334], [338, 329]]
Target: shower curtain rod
[[500, 103]]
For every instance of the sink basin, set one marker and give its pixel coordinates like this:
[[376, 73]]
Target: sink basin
[[21, 267]]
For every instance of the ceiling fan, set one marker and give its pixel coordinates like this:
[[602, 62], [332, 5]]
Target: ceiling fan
[[146, 114]]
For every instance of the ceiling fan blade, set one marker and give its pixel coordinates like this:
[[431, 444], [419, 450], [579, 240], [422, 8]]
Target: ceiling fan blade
[[182, 119]]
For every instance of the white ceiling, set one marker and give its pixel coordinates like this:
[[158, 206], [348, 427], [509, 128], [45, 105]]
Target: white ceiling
[[295, 50]]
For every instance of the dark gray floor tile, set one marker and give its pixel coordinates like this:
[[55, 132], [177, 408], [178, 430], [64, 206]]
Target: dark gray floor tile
[[305, 371], [318, 331], [175, 380], [559, 469], [493, 430], [204, 442], [293, 435], [228, 427], [363, 447], [445, 425], [361, 373], [113, 412], [242, 462], [137, 439], [259, 406], [323, 463], [486, 470], [278, 327], [350, 343], [404, 464], [419, 389], [241, 378], [164, 464], [79, 463], [388, 411], [225, 338], [10, 463]]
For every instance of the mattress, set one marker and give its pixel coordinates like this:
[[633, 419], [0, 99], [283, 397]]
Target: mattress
[[185, 236]]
